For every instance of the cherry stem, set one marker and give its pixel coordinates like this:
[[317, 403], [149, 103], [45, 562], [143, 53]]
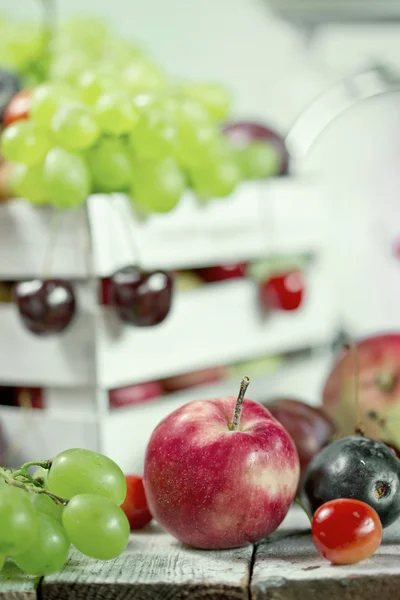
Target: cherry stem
[[300, 503], [49, 253], [351, 347], [239, 402]]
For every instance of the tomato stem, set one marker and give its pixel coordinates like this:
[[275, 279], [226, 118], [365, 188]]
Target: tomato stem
[[300, 503]]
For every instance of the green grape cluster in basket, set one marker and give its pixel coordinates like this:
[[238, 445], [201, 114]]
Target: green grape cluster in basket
[[101, 116], [73, 499]]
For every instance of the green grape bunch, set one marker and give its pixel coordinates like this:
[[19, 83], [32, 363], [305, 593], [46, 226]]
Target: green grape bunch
[[73, 499], [103, 117]]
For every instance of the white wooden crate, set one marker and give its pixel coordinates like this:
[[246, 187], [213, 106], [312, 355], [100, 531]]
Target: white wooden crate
[[213, 325], [216, 324], [75, 419], [260, 218]]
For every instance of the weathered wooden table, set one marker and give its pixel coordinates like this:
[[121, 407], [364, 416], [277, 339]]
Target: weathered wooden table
[[155, 566]]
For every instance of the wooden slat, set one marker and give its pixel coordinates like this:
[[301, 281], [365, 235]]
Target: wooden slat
[[154, 567], [287, 567], [14, 585]]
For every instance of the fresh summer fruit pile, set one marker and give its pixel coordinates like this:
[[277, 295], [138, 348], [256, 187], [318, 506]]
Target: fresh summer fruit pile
[[254, 460], [100, 116], [73, 499]]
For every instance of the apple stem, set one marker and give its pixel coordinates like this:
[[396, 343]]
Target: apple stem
[[239, 402], [351, 347]]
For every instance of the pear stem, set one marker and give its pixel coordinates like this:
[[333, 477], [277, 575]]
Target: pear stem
[[351, 347], [239, 402]]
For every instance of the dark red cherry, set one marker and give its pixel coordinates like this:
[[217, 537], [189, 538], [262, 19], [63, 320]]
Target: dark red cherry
[[223, 272], [141, 298], [46, 307]]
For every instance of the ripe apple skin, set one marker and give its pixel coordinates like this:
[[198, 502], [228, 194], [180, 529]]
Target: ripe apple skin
[[214, 488], [378, 360]]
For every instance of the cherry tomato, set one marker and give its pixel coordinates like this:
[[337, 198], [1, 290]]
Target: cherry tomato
[[346, 531], [282, 291], [18, 108], [135, 504]]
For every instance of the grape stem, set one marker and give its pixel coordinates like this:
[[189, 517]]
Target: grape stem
[[239, 403], [29, 484], [351, 347]]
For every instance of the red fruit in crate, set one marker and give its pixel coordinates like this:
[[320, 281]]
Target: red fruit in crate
[[29, 397], [189, 380], [135, 504], [141, 298], [223, 272], [346, 531], [105, 292], [216, 477], [243, 132], [46, 307], [284, 291], [308, 426], [378, 360], [18, 108], [135, 394]]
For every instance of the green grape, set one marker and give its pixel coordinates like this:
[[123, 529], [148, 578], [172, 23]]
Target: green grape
[[78, 471], [45, 505], [189, 112], [18, 520], [118, 54], [48, 550], [74, 127], [46, 100], [215, 98], [141, 75], [66, 177], [96, 526], [110, 165], [196, 143], [23, 142], [258, 160], [2, 560], [155, 135], [21, 44], [85, 32], [115, 112], [68, 66], [92, 85], [28, 182], [216, 179], [41, 473], [158, 187]]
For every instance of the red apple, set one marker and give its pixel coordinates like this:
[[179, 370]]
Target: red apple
[[308, 426], [282, 291], [135, 503], [189, 380], [223, 272], [378, 359], [220, 473], [137, 393]]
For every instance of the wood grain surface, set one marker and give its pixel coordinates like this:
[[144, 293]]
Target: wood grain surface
[[155, 566]]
